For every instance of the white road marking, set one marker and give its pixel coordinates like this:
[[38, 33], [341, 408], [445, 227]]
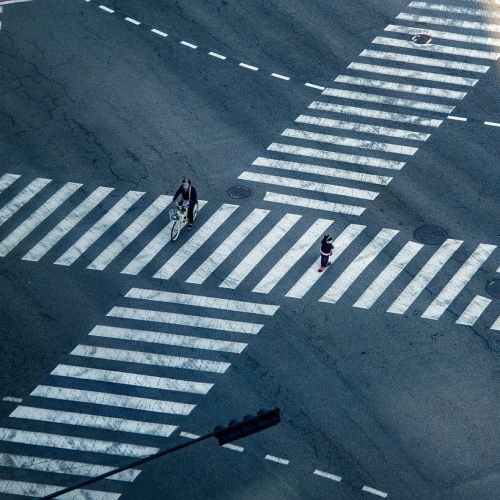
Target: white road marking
[[317, 187], [149, 358], [6, 180], [325, 171], [400, 87], [390, 101], [444, 35], [379, 493], [349, 141], [472, 312], [67, 224], [319, 87], [243, 269], [441, 49], [12, 400], [158, 32], [131, 233], [292, 256], [456, 23], [37, 217], [448, 294], [189, 435], [278, 460], [153, 337], [185, 320], [151, 250], [190, 45], [22, 198], [253, 68], [487, 14], [224, 250], [425, 61], [98, 229], [362, 127], [457, 118], [193, 244], [311, 276], [358, 265], [233, 447], [373, 113], [24, 488], [54, 466], [424, 277], [108, 399], [134, 379], [133, 21], [492, 124], [74, 443], [315, 204], [106, 9], [97, 421], [277, 75], [214, 54], [334, 156], [388, 275], [333, 477], [408, 73], [201, 301]]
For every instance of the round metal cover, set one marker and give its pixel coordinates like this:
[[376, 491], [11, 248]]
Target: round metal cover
[[421, 39], [430, 235], [239, 192], [493, 288]]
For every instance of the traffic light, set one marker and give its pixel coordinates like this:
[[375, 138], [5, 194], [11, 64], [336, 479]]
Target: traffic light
[[238, 428]]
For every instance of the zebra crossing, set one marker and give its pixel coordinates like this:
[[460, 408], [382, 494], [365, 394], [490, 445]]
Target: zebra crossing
[[121, 394], [371, 93]]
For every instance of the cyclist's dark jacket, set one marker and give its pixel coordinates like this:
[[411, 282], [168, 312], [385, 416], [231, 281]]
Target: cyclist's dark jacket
[[189, 194]]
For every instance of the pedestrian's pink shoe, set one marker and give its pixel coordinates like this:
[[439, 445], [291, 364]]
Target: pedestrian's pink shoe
[[321, 269], [329, 263]]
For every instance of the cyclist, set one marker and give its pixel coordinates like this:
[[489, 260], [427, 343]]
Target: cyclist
[[189, 198]]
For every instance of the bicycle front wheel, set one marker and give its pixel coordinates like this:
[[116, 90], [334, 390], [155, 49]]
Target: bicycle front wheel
[[195, 210], [176, 229]]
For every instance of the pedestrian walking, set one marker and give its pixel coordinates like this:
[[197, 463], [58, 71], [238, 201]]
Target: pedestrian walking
[[326, 251]]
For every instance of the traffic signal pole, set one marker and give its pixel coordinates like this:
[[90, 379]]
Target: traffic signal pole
[[236, 429]]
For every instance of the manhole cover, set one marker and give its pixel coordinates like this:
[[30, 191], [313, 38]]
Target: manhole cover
[[421, 39], [239, 192], [430, 235], [493, 288]]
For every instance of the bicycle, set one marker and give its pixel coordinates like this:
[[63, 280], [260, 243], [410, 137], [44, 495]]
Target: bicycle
[[179, 217]]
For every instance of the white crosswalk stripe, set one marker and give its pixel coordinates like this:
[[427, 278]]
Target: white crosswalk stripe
[[388, 275], [358, 265], [243, 269], [153, 248], [414, 74], [455, 9], [192, 245], [389, 101], [424, 61], [317, 187], [424, 277], [37, 217], [458, 282], [222, 252], [6, 180], [64, 467], [472, 312], [132, 232], [348, 141], [441, 49], [96, 421], [399, 87], [68, 223], [24, 488], [98, 229], [456, 23], [297, 251], [350, 175], [312, 275], [373, 113]]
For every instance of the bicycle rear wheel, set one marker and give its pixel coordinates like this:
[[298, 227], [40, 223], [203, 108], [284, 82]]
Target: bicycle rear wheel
[[176, 229], [195, 210]]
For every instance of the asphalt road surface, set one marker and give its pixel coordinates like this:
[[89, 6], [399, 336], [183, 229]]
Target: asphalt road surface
[[117, 342]]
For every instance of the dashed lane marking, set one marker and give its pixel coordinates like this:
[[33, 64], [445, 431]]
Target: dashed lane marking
[[278, 460], [379, 493]]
